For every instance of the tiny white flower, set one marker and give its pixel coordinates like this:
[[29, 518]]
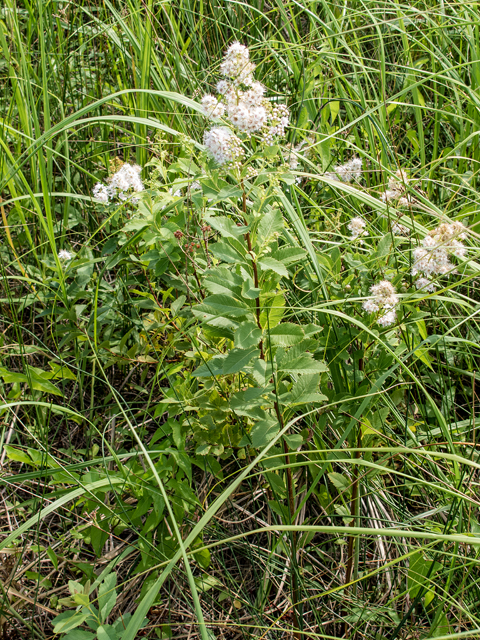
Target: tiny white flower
[[64, 255]]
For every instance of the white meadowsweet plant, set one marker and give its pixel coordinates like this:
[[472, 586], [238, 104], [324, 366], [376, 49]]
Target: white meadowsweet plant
[[242, 104]]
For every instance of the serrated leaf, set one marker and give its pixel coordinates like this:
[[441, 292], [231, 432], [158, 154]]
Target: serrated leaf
[[249, 290], [270, 264], [304, 364], [226, 305], [270, 224], [237, 359], [226, 226], [286, 334], [231, 252], [213, 367], [289, 255], [222, 280], [247, 335], [263, 432], [272, 311], [341, 483]]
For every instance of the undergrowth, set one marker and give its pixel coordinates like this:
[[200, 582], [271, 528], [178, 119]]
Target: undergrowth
[[239, 357]]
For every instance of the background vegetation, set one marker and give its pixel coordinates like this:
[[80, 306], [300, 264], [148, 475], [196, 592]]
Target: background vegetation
[[128, 488]]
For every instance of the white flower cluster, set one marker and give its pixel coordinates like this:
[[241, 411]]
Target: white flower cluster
[[224, 146], [425, 283], [347, 172], [400, 229], [356, 226], [433, 257], [125, 180], [64, 255], [242, 100], [384, 300], [397, 190]]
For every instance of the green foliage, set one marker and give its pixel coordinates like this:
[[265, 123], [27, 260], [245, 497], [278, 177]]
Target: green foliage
[[201, 423]]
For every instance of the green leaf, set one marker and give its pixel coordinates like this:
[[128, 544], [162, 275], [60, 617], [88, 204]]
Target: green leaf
[[229, 192], [249, 290], [17, 455], [286, 334], [384, 245], [207, 582], [247, 335], [272, 311], [79, 634], [237, 359], [107, 596], [419, 568], [302, 365], [12, 376], [61, 371], [81, 599], [222, 280], [68, 620], [341, 483], [41, 383], [225, 305], [270, 264], [294, 441], [270, 225], [107, 632], [203, 557], [289, 255], [305, 391], [228, 250], [263, 432], [213, 367], [226, 226]]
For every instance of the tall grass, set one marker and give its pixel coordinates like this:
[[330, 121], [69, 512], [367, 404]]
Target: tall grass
[[383, 538]]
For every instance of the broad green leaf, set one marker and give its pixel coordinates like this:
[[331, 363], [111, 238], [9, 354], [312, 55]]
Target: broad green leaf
[[294, 440], [418, 570], [12, 376], [107, 596], [289, 255], [107, 632], [249, 290], [203, 558], [39, 383], [226, 226], [69, 620], [302, 364], [79, 634], [61, 371], [273, 309], [222, 280], [247, 335], [17, 455], [228, 250], [213, 367], [226, 305], [270, 264], [270, 225], [286, 334], [237, 359], [263, 432], [341, 483], [207, 582]]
